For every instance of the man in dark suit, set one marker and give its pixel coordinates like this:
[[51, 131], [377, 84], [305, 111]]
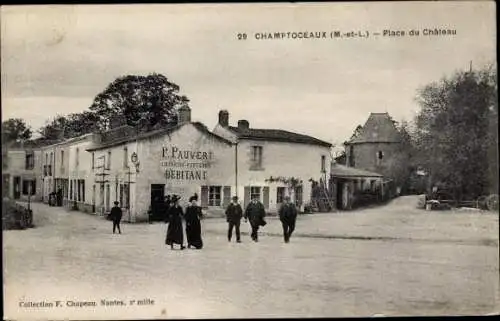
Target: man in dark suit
[[255, 214], [288, 216], [116, 216], [234, 213]]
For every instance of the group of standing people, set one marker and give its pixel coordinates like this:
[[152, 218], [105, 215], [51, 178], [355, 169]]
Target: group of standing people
[[254, 214], [174, 216]]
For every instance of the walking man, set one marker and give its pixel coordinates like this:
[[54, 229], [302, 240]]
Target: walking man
[[234, 213], [288, 216], [255, 213], [116, 216]]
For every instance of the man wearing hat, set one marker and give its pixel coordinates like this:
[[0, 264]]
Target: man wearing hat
[[288, 216], [116, 216], [234, 213], [255, 214]]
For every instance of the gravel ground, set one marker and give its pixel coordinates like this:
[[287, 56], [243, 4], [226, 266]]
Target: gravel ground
[[391, 260]]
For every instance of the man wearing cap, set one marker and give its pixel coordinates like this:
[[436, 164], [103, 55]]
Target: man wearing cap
[[288, 216], [255, 214], [116, 216], [234, 213]]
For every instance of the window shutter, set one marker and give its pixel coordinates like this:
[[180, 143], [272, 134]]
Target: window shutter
[[246, 199], [204, 196], [266, 197], [226, 196]]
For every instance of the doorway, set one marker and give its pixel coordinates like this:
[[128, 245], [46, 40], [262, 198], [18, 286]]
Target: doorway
[[17, 187], [339, 195], [157, 202]]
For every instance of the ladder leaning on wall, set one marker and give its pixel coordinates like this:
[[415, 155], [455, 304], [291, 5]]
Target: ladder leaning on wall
[[324, 201]]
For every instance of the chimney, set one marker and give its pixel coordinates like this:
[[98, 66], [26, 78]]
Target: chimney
[[116, 121], [243, 124], [224, 118], [184, 115]]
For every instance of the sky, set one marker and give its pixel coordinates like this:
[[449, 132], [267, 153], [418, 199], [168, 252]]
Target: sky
[[56, 59]]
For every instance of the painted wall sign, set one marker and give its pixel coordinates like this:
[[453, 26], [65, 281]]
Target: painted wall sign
[[184, 164]]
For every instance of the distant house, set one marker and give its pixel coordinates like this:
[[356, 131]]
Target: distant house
[[374, 145]]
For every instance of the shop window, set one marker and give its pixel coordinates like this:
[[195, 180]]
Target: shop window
[[256, 161], [323, 163], [214, 196], [280, 195], [254, 192], [30, 160]]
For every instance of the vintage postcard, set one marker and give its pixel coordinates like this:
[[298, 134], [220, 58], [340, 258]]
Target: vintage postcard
[[249, 160]]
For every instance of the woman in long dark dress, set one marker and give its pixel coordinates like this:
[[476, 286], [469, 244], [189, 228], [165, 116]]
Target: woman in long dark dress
[[193, 224], [175, 234]]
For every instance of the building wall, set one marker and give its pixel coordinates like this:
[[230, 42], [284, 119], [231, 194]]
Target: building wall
[[47, 177], [365, 156], [79, 168], [14, 165], [154, 164], [283, 159]]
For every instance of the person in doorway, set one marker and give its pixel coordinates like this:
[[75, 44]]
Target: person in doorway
[[234, 213], [193, 224], [255, 214], [174, 231], [116, 217], [288, 216]]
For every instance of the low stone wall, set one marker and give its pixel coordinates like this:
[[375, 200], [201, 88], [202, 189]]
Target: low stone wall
[[16, 216]]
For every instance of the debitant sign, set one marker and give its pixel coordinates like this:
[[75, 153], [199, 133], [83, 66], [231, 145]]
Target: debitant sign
[[185, 164]]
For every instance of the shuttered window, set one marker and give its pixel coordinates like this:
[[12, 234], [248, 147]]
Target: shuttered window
[[266, 197], [214, 196], [246, 198], [226, 196], [204, 196]]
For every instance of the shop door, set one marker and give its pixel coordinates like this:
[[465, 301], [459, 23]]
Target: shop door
[[17, 187], [157, 202]]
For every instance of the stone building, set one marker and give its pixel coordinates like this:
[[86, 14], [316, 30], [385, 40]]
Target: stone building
[[21, 171], [375, 145], [266, 158], [138, 169]]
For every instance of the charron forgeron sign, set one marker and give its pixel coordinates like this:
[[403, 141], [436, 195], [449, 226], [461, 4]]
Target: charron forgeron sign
[[185, 164]]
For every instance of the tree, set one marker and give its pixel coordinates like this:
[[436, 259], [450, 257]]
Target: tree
[[152, 98], [341, 158], [15, 129], [401, 164], [73, 125], [455, 129]]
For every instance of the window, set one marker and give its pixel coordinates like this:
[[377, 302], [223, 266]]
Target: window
[[125, 157], [124, 195], [298, 196], [46, 159], [280, 195], [109, 160], [29, 187], [323, 163], [254, 192], [30, 160], [62, 159], [77, 158], [256, 157], [214, 196], [51, 158], [380, 155], [93, 160]]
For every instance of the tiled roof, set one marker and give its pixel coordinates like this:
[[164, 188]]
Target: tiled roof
[[129, 134], [379, 128], [343, 171], [277, 135]]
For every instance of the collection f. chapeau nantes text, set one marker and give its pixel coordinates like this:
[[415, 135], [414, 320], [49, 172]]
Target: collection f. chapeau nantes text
[[83, 304], [337, 34]]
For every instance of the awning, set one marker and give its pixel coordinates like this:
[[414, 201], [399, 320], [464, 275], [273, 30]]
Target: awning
[[342, 171]]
